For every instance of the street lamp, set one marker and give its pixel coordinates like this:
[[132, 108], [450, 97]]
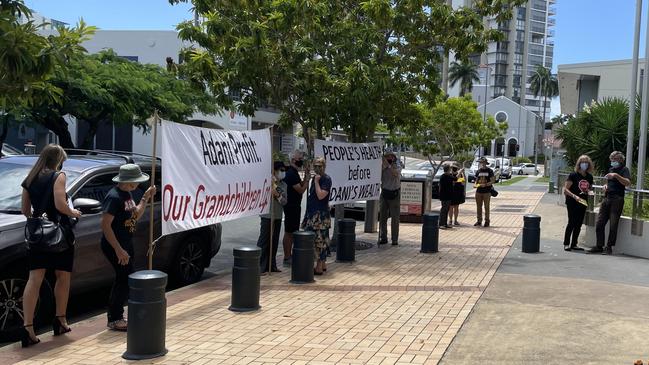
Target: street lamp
[[486, 97]]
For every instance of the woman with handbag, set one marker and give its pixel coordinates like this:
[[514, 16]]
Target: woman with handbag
[[49, 237], [118, 223]]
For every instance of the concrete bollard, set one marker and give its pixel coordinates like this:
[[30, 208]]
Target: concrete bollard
[[147, 315], [346, 251], [531, 233], [245, 279], [430, 233], [302, 257]]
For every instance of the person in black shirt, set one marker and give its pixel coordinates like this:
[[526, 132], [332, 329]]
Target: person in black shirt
[[296, 186], [576, 190], [445, 195], [459, 194], [618, 178], [484, 183], [118, 224], [44, 195]]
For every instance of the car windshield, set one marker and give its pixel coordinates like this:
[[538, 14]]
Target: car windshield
[[11, 176]]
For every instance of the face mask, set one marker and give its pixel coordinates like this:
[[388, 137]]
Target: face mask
[[615, 164], [280, 175], [583, 166], [390, 161], [299, 163]]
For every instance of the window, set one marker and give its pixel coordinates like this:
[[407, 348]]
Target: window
[[518, 58], [520, 35], [535, 60], [536, 49], [97, 187], [520, 14], [520, 24]]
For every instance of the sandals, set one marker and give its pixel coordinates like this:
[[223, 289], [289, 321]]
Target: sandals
[[26, 339], [58, 326], [119, 325]]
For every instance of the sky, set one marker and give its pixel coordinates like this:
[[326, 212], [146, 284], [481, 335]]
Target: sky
[[585, 31]]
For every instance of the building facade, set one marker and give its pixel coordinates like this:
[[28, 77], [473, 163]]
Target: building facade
[[508, 65], [582, 83], [523, 125]]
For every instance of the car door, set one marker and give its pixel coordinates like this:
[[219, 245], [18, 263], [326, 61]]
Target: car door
[[91, 268], [529, 169]]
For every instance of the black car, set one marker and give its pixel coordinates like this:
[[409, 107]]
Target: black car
[[184, 256]]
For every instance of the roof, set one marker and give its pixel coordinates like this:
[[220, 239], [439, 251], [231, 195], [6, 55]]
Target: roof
[[501, 98], [569, 66]]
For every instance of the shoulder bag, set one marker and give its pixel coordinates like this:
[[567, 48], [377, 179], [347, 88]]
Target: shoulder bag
[[43, 235]]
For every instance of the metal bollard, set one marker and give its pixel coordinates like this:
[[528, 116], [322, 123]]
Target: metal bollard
[[302, 257], [346, 251], [531, 233], [430, 233], [245, 279], [147, 315]]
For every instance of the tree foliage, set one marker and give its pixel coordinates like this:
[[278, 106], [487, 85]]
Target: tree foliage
[[545, 84], [598, 130], [466, 73], [105, 88], [448, 128], [324, 64]]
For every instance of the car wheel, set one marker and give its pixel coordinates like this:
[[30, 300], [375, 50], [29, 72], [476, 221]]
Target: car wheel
[[520, 172], [189, 265], [11, 306]]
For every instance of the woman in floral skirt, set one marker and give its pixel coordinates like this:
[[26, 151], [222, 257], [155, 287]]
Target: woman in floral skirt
[[317, 218]]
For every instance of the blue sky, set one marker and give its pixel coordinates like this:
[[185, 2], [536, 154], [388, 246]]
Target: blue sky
[[586, 30]]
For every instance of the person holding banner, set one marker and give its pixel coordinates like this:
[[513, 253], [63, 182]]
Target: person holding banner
[[390, 200], [293, 208], [318, 217], [118, 223], [275, 213]]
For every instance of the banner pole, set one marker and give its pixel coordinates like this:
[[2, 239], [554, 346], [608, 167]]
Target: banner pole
[[156, 118], [272, 222]]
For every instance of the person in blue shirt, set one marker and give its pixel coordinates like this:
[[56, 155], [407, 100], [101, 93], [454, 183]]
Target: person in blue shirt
[[318, 217]]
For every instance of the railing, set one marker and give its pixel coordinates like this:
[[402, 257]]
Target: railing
[[636, 202]]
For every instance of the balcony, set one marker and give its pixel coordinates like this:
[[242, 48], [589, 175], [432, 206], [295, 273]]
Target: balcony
[[552, 22], [550, 33], [552, 10]]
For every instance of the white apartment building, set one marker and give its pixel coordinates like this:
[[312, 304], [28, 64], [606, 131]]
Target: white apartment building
[[528, 42]]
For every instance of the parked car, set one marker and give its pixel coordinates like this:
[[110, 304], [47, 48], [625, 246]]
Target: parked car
[[506, 168], [8, 150], [184, 256], [525, 169], [493, 163]]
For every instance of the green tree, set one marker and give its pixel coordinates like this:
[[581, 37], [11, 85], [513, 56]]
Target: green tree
[[28, 60], [449, 128], [106, 88], [324, 64], [596, 131], [466, 73], [545, 84]]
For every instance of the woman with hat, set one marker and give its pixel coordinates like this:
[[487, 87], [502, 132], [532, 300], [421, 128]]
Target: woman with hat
[[484, 183], [118, 223]]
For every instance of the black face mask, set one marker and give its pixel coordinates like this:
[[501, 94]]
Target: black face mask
[[299, 163], [390, 161]]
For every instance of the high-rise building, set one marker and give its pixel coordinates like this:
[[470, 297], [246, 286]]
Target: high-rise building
[[528, 42]]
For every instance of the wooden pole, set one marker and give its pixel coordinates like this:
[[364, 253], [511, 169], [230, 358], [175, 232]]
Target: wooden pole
[[272, 222], [156, 119]]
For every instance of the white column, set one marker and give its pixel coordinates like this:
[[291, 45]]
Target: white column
[[634, 83]]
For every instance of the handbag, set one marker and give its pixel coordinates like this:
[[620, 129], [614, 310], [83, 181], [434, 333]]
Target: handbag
[[43, 235], [390, 194], [493, 192]]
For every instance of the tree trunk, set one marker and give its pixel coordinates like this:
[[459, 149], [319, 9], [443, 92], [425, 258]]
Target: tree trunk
[[59, 126]]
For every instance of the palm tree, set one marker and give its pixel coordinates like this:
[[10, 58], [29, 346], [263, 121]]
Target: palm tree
[[466, 73], [544, 83]]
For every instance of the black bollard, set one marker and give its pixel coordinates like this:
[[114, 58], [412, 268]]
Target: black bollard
[[430, 233], [245, 279], [302, 257], [147, 315], [346, 251], [531, 233]]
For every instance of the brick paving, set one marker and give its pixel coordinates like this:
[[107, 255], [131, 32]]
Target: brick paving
[[394, 305]]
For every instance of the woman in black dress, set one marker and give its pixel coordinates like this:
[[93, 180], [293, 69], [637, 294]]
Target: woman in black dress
[[44, 179], [459, 195]]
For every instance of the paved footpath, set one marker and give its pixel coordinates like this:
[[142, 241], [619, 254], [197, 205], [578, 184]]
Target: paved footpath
[[394, 305]]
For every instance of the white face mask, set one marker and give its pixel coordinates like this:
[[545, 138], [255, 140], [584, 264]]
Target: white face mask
[[583, 166], [280, 175]]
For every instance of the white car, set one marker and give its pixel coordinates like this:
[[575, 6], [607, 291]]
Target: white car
[[8, 150], [525, 169]]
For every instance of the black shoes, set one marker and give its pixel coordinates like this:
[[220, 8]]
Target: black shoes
[[486, 223], [383, 242], [395, 243], [596, 250], [26, 339], [477, 224], [608, 250], [58, 327]]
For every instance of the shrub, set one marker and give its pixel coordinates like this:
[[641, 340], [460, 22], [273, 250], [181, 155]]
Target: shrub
[[517, 160]]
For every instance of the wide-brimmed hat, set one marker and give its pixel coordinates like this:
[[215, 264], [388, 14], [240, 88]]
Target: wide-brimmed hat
[[483, 159], [130, 173], [389, 152]]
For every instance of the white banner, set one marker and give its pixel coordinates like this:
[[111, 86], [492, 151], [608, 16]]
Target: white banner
[[355, 169], [212, 175]]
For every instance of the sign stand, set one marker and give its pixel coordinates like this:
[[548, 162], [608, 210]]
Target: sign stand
[[156, 120]]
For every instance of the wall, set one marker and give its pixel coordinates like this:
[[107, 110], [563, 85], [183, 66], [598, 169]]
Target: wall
[[627, 243]]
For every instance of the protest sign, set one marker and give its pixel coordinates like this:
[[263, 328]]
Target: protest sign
[[355, 169], [211, 175]]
